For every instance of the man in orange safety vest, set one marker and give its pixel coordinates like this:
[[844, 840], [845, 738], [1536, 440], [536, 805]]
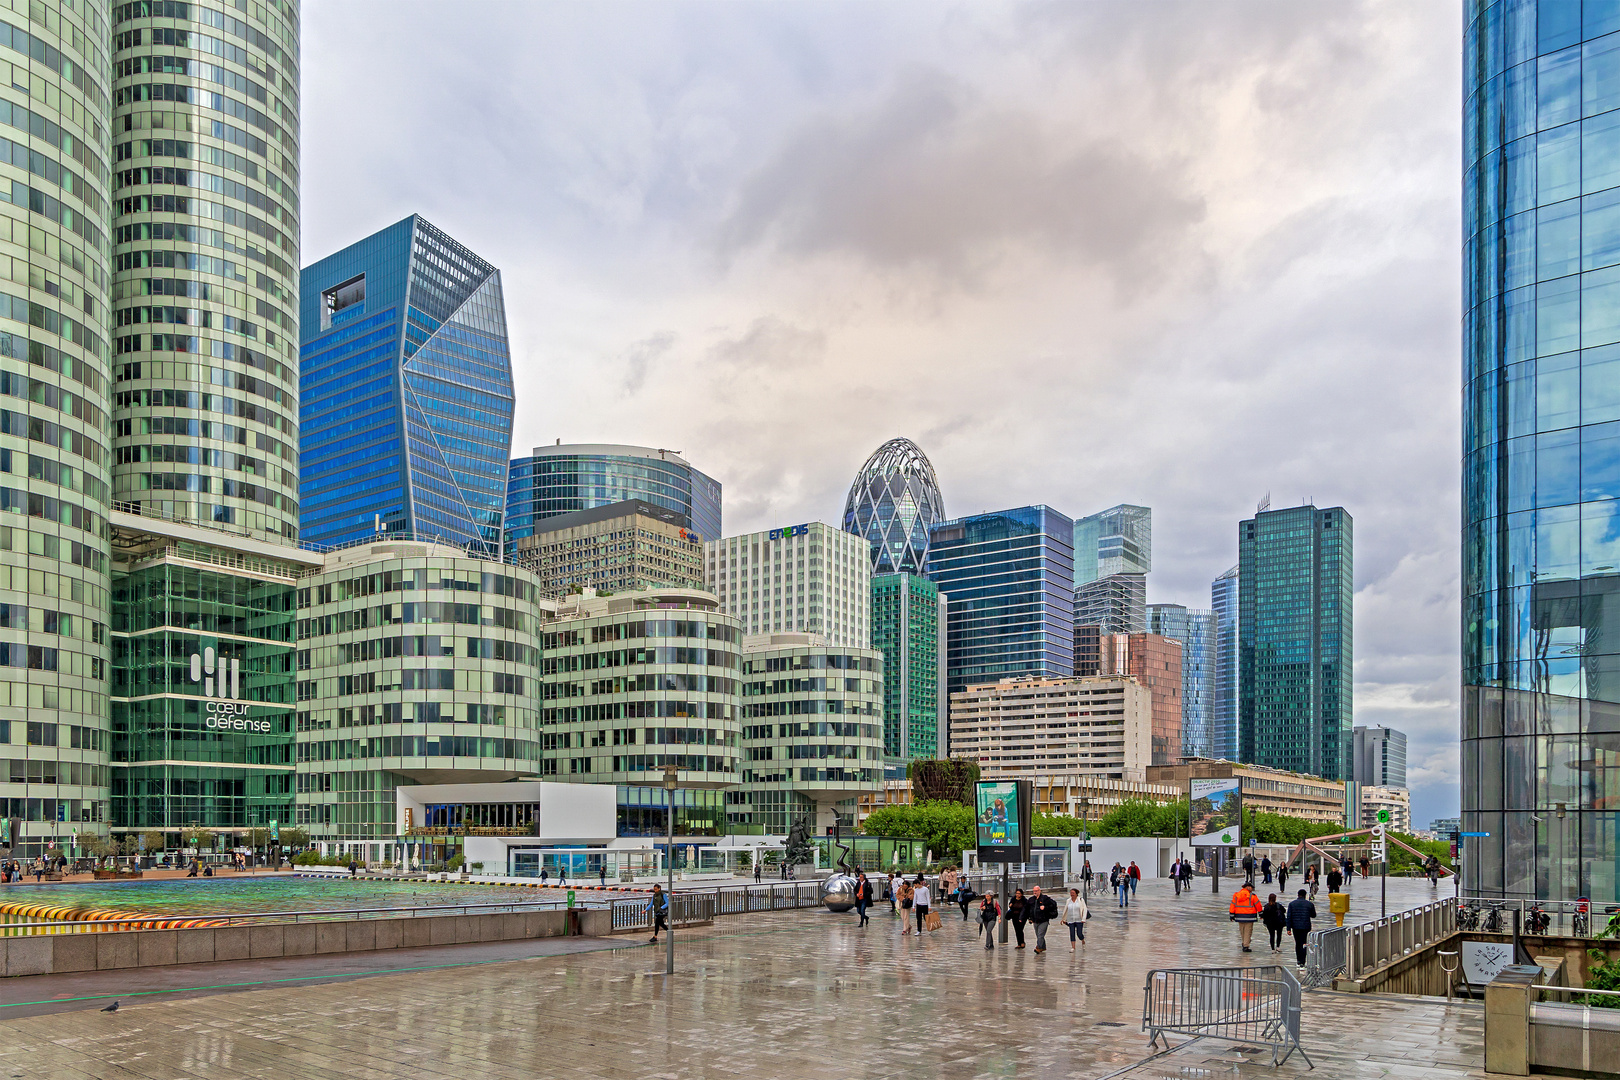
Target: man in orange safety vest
[[1245, 911]]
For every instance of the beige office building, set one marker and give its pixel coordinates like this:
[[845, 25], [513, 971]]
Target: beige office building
[[1270, 791], [811, 579], [623, 547], [1398, 801], [1100, 726]]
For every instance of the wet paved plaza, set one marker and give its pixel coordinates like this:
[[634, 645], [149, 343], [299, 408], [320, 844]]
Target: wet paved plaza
[[788, 994]]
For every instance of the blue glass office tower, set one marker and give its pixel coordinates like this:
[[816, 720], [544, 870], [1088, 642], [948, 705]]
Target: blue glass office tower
[[893, 502], [1223, 600], [1541, 449], [1196, 631], [1009, 578], [1295, 588], [406, 388], [567, 478]]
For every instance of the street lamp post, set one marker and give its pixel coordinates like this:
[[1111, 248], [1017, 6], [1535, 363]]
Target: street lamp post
[[1085, 842], [670, 782]]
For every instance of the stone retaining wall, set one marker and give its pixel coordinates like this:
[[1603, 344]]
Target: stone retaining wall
[[48, 954]]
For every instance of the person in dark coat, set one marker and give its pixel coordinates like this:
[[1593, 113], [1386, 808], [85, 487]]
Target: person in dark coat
[[1334, 880], [989, 912], [1300, 914], [1042, 910], [1018, 914], [1275, 916]]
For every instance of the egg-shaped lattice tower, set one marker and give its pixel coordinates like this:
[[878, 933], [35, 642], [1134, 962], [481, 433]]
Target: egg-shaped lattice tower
[[894, 501]]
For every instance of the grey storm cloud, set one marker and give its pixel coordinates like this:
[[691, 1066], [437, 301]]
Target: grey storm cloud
[[934, 174], [1178, 254]]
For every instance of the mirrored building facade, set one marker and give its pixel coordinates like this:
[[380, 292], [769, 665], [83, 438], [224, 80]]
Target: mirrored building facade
[[570, 477], [893, 502], [1196, 631], [1541, 449], [407, 392]]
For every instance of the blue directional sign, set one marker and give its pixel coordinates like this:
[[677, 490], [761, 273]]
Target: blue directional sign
[[1473, 834]]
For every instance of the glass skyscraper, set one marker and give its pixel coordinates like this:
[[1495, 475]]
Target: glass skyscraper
[[1541, 449], [1115, 604], [1223, 712], [569, 477], [1118, 540], [893, 502], [1294, 640], [55, 405], [1196, 631], [205, 514], [1009, 576], [407, 392], [905, 625]]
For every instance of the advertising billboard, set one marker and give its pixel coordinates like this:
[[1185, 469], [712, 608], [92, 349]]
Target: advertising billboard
[[1002, 819], [1216, 812]]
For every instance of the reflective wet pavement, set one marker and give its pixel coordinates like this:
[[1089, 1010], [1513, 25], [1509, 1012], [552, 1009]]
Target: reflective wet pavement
[[788, 994]]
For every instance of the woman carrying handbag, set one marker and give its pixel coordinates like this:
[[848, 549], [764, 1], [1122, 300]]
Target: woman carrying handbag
[[989, 912], [1018, 914], [907, 894], [1075, 913]]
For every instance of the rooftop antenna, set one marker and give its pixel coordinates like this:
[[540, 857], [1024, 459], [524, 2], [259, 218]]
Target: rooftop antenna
[[1264, 504]]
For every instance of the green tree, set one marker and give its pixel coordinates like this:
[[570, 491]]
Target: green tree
[[1054, 825], [295, 838], [1138, 817], [946, 827]]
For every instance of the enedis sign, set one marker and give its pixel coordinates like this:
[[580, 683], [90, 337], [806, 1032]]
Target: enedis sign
[[220, 713]]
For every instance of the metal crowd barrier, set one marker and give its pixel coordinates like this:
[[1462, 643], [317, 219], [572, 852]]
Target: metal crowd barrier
[[704, 905], [1249, 1005], [1327, 953]]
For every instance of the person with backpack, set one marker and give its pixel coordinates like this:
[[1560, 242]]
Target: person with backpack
[[1043, 911], [1265, 870], [1300, 914], [964, 895], [1275, 916], [989, 912], [658, 908]]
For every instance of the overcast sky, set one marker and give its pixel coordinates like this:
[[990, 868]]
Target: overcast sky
[[1176, 254]]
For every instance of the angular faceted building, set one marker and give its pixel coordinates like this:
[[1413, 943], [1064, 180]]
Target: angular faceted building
[[893, 502], [1118, 540], [407, 392], [570, 477], [1541, 450]]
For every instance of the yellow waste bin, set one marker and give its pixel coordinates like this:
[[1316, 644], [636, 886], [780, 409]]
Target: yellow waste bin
[[1339, 904]]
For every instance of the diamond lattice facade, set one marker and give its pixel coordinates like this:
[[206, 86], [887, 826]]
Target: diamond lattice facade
[[893, 503]]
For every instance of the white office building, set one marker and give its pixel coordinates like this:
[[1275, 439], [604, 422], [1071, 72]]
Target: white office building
[[811, 579]]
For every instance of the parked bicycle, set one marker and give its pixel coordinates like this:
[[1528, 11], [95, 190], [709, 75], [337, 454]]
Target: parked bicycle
[[1583, 917], [1495, 921], [1468, 916]]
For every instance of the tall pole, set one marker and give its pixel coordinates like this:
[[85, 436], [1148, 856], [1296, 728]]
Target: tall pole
[[669, 863], [1004, 894]]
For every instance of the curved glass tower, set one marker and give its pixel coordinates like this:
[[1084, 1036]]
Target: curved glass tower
[[893, 502], [1541, 448], [570, 477], [55, 444]]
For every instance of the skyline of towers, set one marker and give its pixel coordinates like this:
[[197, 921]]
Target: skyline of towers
[[406, 390]]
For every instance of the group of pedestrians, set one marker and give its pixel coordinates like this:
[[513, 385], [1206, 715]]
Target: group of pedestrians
[[1123, 881], [1246, 909], [1181, 874]]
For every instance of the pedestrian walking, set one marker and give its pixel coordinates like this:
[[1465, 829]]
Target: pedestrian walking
[[1018, 914], [354, 867], [1043, 910], [920, 900], [1248, 868], [863, 896], [759, 870], [891, 892], [601, 873], [1282, 878], [1186, 874], [1075, 914], [908, 896], [1300, 914], [1265, 869], [1311, 874], [543, 876], [947, 884], [1432, 868], [1135, 875], [1245, 911], [658, 908], [1366, 868], [1275, 916], [1335, 880], [1122, 886], [989, 912], [1085, 874]]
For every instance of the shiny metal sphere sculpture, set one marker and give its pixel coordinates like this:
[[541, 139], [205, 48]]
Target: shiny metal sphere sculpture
[[838, 892]]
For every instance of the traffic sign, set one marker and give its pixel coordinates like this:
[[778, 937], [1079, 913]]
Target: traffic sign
[[1083, 847], [1473, 834]]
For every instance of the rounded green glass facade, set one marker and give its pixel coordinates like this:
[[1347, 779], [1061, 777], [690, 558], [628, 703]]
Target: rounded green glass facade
[[55, 447], [205, 267]]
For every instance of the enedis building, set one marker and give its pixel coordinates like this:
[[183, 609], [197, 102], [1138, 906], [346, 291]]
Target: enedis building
[[417, 665]]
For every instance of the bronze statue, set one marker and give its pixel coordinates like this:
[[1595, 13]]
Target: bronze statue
[[799, 852]]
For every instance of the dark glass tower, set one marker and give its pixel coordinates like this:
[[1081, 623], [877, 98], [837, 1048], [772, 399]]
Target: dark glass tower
[[1294, 645], [1541, 449], [407, 392], [893, 502], [1009, 579]]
